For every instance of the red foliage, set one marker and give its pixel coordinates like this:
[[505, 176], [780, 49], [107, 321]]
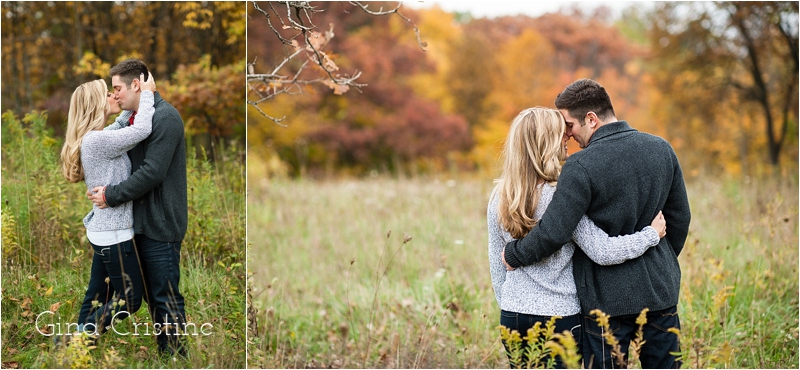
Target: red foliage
[[418, 129]]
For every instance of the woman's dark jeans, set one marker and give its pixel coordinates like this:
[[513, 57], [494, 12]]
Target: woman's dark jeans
[[522, 322], [117, 298]]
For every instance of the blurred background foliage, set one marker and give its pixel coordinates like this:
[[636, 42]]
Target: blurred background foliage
[[194, 50], [719, 80]]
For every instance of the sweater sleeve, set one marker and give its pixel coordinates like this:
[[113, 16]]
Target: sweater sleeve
[[569, 204], [497, 269], [162, 144], [121, 121], [111, 143], [606, 250]]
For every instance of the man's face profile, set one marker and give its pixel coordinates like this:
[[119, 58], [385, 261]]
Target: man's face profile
[[124, 94]]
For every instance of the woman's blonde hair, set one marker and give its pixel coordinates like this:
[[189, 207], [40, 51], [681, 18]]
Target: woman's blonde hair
[[532, 153], [87, 112]]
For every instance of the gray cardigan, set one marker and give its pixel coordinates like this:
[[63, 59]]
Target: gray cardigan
[[546, 288], [620, 180], [157, 185], [105, 162]]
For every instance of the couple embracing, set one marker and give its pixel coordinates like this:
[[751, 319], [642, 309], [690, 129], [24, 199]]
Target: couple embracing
[[591, 235], [135, 174]]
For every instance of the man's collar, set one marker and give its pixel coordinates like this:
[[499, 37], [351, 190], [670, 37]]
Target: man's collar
[[610, 129]]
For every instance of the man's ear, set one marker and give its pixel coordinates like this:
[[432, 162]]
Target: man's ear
[[136, 85], [592, 119]]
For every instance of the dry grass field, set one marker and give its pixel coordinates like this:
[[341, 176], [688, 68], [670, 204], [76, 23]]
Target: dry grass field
[[393, 273]]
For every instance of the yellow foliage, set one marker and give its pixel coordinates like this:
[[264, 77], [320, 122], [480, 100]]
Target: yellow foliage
[[603, 319], [441, 33], [196, 15], [77, 354], [564, 345], [489, 140], [526, 76], [131, 54], [92, 64], [721, 297], [10, 239], [236, 25], [542, 345]]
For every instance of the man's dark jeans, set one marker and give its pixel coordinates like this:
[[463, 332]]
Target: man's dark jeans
[[162, 274], [522, 322], [655, 354], [119, 264]]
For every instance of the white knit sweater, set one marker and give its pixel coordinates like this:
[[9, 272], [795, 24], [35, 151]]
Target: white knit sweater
[[105, 162], [547, 288]]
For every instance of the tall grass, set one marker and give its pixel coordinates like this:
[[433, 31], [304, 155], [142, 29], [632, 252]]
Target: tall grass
[[46, 256], [213, 295], [332, 287]]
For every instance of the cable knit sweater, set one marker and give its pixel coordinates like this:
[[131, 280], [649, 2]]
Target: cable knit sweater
[[104, 159], [547, 288]]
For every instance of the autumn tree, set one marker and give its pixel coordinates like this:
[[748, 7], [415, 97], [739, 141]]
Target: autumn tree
[[531, 59], [209, 99], [739, 55], [335, 120], [49, 48], [304, 63]]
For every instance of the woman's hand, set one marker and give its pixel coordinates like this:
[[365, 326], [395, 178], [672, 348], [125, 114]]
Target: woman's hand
[[660, 224], [150, 84]]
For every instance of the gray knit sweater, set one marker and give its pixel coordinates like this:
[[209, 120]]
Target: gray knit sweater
[[547, 288], [104, 159]]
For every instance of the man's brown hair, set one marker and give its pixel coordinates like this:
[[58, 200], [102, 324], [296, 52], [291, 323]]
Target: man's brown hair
[[128, 70], [584, 96]]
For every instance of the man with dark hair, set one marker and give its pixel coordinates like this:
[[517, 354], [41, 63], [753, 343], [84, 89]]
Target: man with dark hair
[[157, 187], [621, 179]]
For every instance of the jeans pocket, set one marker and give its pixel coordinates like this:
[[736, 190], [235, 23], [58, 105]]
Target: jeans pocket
[[577, 334], [665, 319], [103, 252]]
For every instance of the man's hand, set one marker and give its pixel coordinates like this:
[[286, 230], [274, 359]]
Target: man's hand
[[503, 257], [150, 84], [97, 196]]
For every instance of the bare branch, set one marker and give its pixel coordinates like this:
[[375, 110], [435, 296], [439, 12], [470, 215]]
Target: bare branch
[[273, 119], [275, 71], [267, 86], [379, 12], [297, 8], [396, 10], [269, 22]]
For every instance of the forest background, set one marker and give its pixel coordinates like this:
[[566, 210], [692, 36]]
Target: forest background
[[367, 203], [449, 106], [195, 51]]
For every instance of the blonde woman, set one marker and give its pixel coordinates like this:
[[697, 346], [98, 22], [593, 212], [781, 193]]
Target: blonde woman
[[115, 284], [532, 158]]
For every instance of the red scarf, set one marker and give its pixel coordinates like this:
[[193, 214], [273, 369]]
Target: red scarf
[[130, 120]]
